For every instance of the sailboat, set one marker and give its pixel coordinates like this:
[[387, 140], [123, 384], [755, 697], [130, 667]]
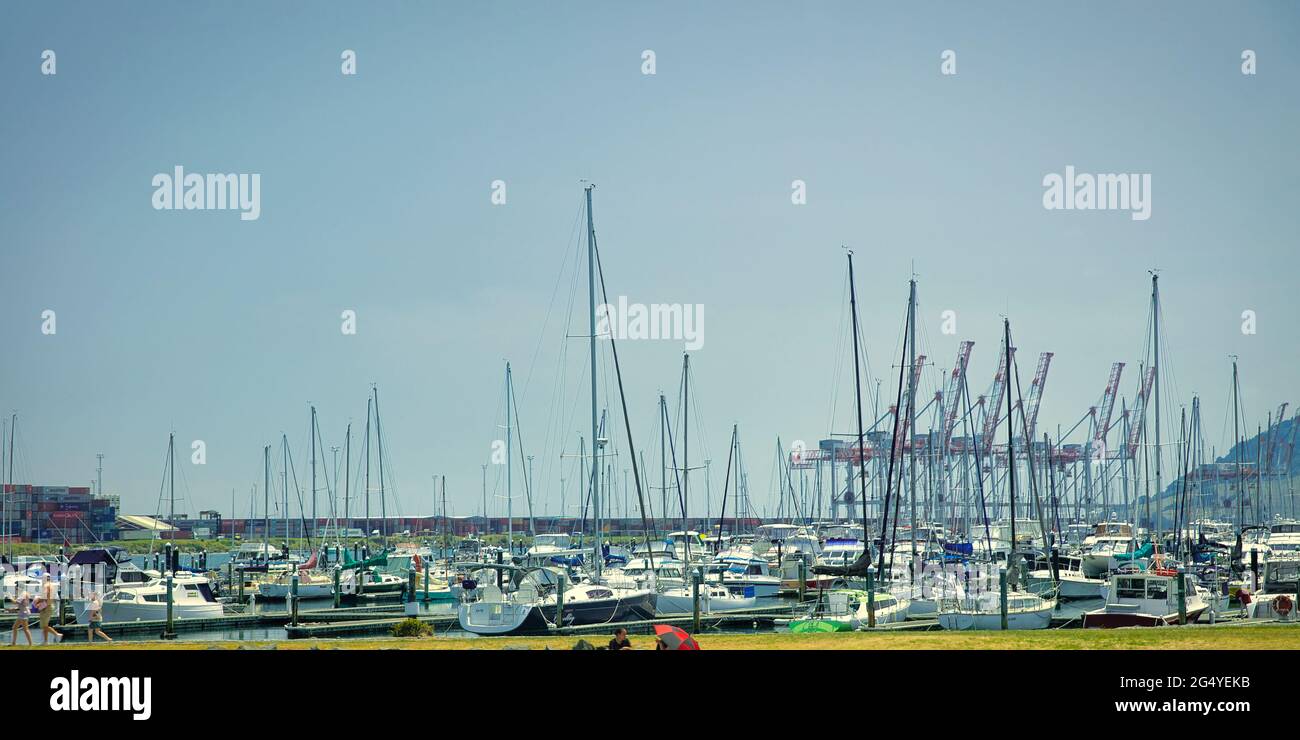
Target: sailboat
[[542, 597], [984, 610]]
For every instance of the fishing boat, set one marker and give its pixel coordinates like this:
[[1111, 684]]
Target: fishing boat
[[536, 599], [1146, 599], [983, 611]]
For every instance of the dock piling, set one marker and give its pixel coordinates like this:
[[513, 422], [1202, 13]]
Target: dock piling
[[871, 596], [169, 631], [1002, 594], [293, 598]]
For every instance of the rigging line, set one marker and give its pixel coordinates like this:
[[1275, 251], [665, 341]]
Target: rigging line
[[532, 365], [623, 400]]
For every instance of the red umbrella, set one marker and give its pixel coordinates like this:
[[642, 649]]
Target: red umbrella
[[674, 638]]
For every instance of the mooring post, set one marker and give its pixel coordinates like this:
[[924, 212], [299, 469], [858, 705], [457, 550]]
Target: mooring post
[[64, 583], [338, 595], [871, 596], [1002, 594], [695, 599], [427, 568], [241, 584], [559, 600], [803, 578], [1182, 595], [293, 598], [169, 633], [1254, 571], [411, 608], [230, 572]]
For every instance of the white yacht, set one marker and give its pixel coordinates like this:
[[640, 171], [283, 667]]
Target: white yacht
[[191, 599], [743, 573]]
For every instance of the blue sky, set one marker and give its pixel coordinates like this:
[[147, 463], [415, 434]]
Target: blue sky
[[375, 197]]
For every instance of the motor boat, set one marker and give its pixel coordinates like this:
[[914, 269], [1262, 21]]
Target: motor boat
[[1109, 552], [1071, 582], [743, 573], [191, 599], [1147, 599], [714, 599]]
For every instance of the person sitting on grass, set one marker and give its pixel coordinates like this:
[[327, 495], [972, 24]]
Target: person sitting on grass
[[620, 641]]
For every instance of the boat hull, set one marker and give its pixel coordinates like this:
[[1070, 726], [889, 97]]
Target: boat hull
[[503, 618], [1030, 620], [1110, 620]]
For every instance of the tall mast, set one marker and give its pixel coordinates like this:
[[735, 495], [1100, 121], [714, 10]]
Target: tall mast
[[367, 491], [595, 442], [313, 471], [686, 452], [379, 439], [347, 475], [911, 411], [663, 456], [1155, 365], [857, 394], [510, 516], [171, 474], [266, 501], [1236, 443], [1011, 452], [284, 484]]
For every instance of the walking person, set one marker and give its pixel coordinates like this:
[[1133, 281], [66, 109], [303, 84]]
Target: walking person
[[24, 601], [45, 608], [96, 618]]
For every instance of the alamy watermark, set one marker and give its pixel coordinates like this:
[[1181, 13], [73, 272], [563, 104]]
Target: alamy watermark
[[1103, 192], [682, 322], [200, 192]]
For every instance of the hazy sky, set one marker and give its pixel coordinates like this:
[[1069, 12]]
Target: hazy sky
[[375, 197]]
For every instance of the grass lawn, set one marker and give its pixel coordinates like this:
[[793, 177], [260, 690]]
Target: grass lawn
[[1260, 637]]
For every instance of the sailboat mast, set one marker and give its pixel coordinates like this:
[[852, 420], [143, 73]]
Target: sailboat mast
[[1011, 452], [1236, 443], [266, 500], [686, 453], [1155, 365], [595, 442], [663, 456], [284, 484], [313, 471], [347, 474], [367, 491], [857, 394], [171, 475], [379, 440], [510, 516], [911, 412]]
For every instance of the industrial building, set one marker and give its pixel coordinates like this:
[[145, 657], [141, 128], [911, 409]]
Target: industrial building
[[56, 515]]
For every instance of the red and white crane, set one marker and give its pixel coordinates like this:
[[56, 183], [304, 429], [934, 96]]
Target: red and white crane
[[993, 410], [1106, 409], [1036, 397], [1140, 412], [952, 393]]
